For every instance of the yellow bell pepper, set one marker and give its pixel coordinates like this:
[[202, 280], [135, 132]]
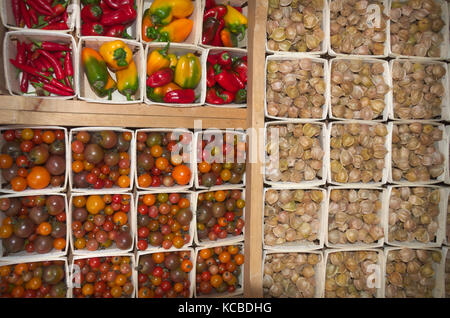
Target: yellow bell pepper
[[235, 21], [188, 71], [110, 86], [163, 11], [157, 60], [128, 80], [176, 31], [173, 60], [116, 54]]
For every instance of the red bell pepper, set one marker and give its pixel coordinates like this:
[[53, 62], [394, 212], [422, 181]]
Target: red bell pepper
[[92, 28], [240, 67], [210, 4], [160, 78], [224, 60], [212, 58], [49, 46], [16, 11], [118, 31], [218, 96], [25, 14], [217, 41], [210, 26], [180, 96], [91, 12], [117, 4], [228, 80], [217, 12], [105, 7], [210, 74], [125, 15]]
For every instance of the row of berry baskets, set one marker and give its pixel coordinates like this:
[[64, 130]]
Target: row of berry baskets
[[191, 22]]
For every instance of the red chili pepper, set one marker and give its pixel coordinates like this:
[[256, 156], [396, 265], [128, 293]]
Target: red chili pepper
[[25, 14], [49, 46], [218, 12], [56, 26], [24, 82], [92, 28], [56, 65], [51, 19], [228, 80], [21, 52], [240, 67], [46, 63], [33, 15], [52, 89], [43, 75], [224, 60], [210, 74], [68, 69], [59, 54], [65, 16], [38, 65], [91, 12], [16, 11], [218, 96], [210, 4], [180, 96], [118, 31], [44, 9], [126, 15], [217, 41], [160, 78]]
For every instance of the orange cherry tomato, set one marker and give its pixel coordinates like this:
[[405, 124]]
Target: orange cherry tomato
[[224, 257], [186, 266], [27, 134], [239, 259], [38, 178], [6, 231], [87, 290], [127, 135], [120, 280], [59, 243], [87, 165], [44, 228], [22, 172], [178, 241], [216, 280], [222, 221], [149, 199], [77, 166], [79, 201], [5, 270], [6, 161], [156, 151], [225, 174], [233, 249], [120, 218], [17, 292], [158, 258], [124, 181], [80, 243], [18, 183], [95, 204], [205, 253], [48, 137], [220, 196], [184, 203], [145, 292], [181, 174], [162, 163], [145, 180], [204, 167], [124, 155], [34, 283], [178, 287], [20, 268], [176, 160]]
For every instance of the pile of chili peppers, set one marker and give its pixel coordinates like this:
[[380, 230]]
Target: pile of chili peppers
[[47, 66], [226, 79], [107, 17], [40, 14], [223, 25]]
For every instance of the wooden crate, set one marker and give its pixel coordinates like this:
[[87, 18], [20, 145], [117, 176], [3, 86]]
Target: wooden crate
[[35, 111]]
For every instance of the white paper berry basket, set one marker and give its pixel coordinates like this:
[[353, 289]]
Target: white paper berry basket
[[132, 29], [377, 277], [387, 79], [203, 135], [447, 219], [323, 45], [196, 17], [326, 73], [189, 150], [441, 219], [381, 214], [319, 268], [179, 50], [445, 105], [242, 44], [387, 158], [191, 275], [24, 255], [234, 53], [4, 262], [113, 249], [87, 93], [74, 271], [386, 43], [445, 33], [131, 152], [447, 135], [302, 245], [230, 239], [193, 204], [439, 269], [12, 77], [7, 16], [442, 146], [29, 191], [240, 279], [303, 184]]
